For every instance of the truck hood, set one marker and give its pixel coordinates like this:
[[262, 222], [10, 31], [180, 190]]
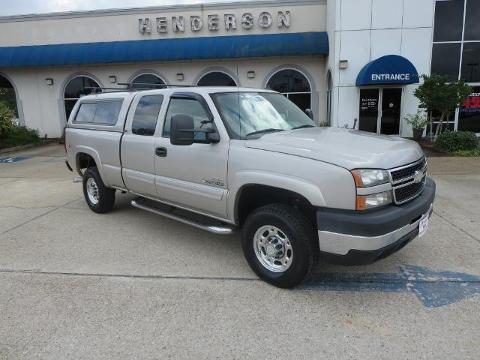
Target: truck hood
[[346, 148]]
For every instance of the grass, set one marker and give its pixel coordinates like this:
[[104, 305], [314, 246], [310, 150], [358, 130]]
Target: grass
[[471, 153]]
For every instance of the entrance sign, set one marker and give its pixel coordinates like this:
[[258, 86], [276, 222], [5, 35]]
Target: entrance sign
[[213, 22], [388, 70]]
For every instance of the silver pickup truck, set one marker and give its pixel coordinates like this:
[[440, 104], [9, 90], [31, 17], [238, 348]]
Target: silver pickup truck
[[223, 159]]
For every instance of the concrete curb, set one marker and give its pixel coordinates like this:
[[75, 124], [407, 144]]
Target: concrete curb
[[25, 147]]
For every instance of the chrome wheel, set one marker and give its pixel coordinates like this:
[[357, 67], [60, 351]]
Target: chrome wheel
[[273, 248], [92, 191]]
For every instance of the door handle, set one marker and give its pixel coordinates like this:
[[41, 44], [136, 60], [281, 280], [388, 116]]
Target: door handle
[[161, 151]]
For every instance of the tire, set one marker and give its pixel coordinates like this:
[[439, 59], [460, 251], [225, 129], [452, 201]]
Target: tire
[[286, 231], [105, 197]]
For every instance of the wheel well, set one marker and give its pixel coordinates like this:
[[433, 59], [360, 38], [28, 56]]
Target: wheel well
[[84, 161], [253, 196]]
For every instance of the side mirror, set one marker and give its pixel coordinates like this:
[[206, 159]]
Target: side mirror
[[181, 130], [309, 113]]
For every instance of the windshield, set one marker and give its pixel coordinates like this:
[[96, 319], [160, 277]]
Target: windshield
[[249, 115]]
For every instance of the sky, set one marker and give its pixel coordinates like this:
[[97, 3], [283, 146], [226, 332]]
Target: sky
[[21, 7]]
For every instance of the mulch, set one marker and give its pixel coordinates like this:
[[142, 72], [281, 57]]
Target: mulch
[[431, 151]]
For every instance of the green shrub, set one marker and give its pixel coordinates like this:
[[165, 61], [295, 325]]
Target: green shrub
[[6, 117], [473, 152], [20, 135], [456, 141], [417, 121], [12, 135]]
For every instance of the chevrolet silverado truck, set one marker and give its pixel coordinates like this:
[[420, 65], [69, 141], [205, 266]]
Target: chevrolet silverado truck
[[224, 159]]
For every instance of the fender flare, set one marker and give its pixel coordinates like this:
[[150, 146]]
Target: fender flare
[[306, 189], [82, 149]]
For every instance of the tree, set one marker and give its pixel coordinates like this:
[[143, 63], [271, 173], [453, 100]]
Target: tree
[[437, 94]]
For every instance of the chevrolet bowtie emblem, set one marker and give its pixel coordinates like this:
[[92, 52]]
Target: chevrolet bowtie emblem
[[418, 177]]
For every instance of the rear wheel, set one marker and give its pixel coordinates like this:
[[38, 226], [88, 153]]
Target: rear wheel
[[99, 198], [278, 243]]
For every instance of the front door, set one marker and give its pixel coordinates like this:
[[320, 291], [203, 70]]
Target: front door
[[380, 110], [193, 176], [390, 119]]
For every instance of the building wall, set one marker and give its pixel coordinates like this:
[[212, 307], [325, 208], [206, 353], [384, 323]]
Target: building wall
[[43, 107], [365, 30], [359, 31], [104, 26]]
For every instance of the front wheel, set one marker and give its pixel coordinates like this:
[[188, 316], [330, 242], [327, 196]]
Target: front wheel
[[278, 244], [99, 198]]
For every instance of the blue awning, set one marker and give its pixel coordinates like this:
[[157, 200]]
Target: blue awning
[[215, 47], [386, 70]]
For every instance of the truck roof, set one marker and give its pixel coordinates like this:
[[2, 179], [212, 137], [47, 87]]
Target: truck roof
[[204, 90]]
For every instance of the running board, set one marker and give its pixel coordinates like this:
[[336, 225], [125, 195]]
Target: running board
[[214, 229]]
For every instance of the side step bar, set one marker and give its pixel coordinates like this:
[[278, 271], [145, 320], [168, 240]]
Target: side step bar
[[219, 230]]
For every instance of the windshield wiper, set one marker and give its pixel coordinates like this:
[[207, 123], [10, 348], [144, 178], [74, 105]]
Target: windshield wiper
[[264, 131], [303, 127]]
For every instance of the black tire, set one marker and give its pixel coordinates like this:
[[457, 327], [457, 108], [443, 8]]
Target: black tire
[[300, 234], [106, 196]]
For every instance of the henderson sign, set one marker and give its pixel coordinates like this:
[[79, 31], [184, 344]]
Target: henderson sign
[[213, 22]]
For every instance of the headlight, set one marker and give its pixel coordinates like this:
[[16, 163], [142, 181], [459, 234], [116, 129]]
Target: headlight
[[367, 177], [365, 202]]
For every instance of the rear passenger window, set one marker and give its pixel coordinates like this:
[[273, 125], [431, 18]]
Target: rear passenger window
[[146, 115], [190, 107], [99, 113], [107, 112], [85, 113]]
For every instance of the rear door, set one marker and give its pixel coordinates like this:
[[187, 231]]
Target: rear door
[[193, 176], [138, 144]]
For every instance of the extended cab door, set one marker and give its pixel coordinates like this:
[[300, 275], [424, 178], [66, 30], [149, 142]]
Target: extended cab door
[[193, 176], [138, 145]]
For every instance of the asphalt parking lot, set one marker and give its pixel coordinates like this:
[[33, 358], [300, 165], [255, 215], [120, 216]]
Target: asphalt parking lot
[[130, 284]]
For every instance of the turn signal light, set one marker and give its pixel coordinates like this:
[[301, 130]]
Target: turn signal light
[[365, 202]]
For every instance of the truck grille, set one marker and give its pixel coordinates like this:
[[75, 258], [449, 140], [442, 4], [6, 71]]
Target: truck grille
[[405, 172], [408, 181]]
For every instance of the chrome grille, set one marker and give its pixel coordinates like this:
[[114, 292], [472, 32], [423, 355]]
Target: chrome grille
[[408, 181], [405, 172]]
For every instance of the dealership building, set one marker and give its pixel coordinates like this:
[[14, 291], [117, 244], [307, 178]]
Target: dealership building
[[354, 63]]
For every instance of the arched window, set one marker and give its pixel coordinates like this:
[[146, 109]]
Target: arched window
[[147, 81], [77, 87], [294, 85], [8, 95], [216, 78]]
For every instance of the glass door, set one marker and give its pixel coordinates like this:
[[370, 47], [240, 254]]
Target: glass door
[[380, 110], [368, 110], [390, 120]]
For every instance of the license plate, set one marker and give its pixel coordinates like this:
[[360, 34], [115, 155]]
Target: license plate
[[423, 225]]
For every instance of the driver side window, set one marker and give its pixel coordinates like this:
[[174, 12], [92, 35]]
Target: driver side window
[[192, 107]]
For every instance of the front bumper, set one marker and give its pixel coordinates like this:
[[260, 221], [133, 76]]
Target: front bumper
[[353, 237]]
